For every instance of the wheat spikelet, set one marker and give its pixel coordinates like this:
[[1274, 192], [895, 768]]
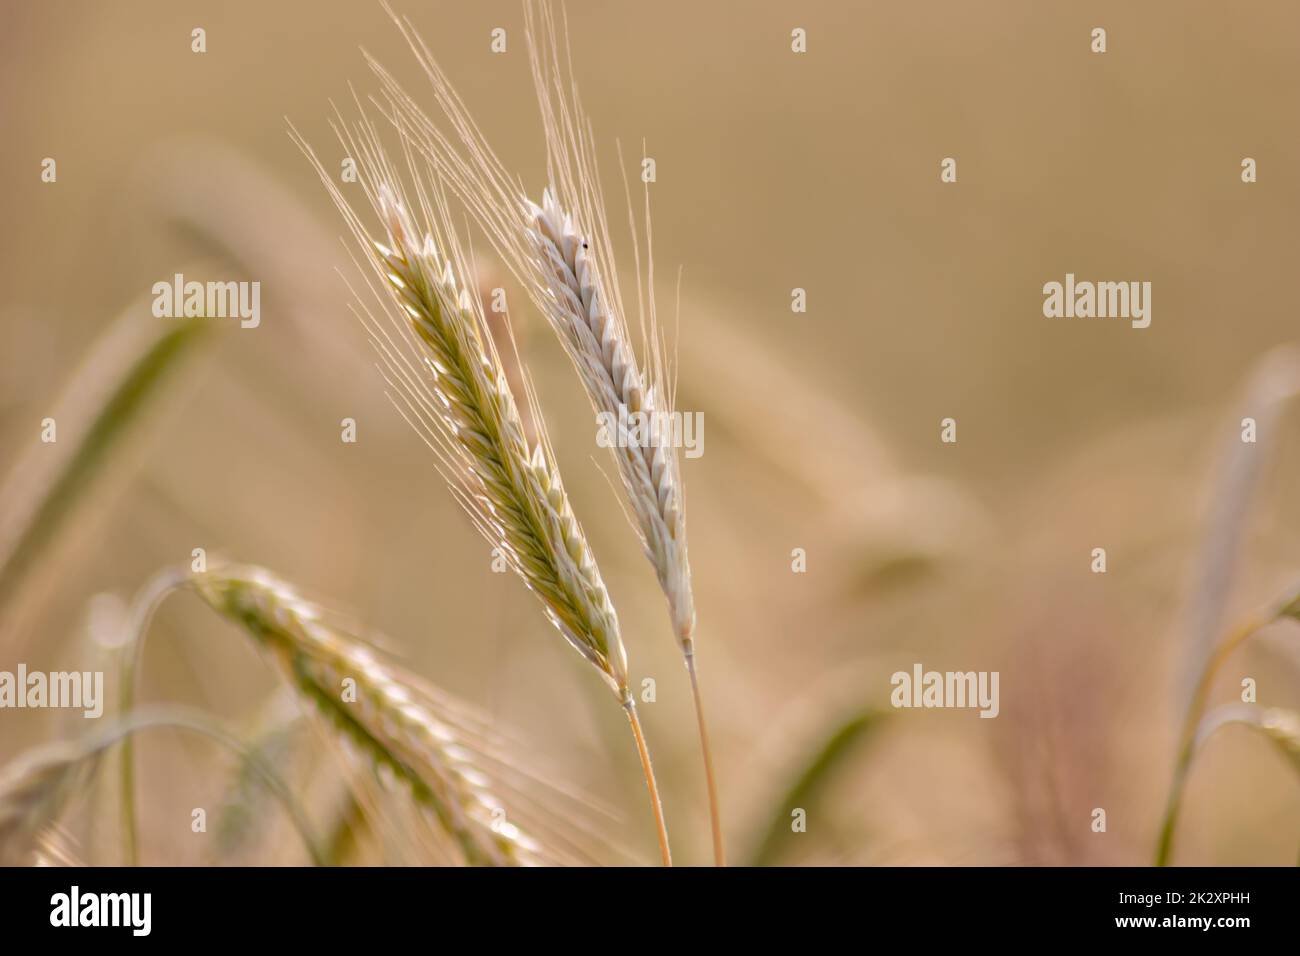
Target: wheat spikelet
[[396, 722]]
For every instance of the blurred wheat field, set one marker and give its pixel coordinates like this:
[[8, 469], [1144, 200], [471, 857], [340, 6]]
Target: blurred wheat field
[[774, 171]]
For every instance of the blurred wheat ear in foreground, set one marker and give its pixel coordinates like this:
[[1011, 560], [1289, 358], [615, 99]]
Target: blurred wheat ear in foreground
[[478, 809], [393, 721], [124, 370]]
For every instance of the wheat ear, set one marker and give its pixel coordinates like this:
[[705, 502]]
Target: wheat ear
[[562, 253], [395, 723], [456, 394], [598, 342], [577, 304]]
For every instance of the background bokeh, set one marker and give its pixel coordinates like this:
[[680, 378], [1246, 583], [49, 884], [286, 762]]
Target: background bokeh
[[775, 171]]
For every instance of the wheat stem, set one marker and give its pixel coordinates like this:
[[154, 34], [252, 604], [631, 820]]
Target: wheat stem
[[715, 821], [137, 626], [647, 770]]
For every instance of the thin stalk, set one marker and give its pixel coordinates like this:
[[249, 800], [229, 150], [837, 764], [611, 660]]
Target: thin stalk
[[137, 625], [1187, 739], [655, 804], [715, 815]]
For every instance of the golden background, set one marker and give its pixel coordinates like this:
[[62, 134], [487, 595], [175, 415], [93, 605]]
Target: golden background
[[775, 171]]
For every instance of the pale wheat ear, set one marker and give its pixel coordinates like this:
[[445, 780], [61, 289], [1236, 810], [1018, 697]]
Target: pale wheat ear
[[571, 256]]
